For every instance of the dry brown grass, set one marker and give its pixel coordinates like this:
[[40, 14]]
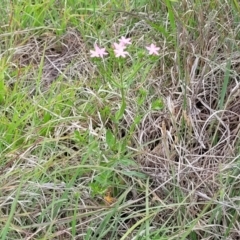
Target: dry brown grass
[[188, 149], [65, 57]]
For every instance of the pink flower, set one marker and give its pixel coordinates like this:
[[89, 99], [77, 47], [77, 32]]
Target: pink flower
[[125, 41], [98, 52], [118, 46], [152, 49], [119, 52]]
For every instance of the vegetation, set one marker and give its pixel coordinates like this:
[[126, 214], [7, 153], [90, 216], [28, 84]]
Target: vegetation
[[141, 147]]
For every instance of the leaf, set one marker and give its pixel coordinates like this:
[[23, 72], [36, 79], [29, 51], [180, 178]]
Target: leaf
[[225, 85], [236, 5], [46, 117], [110, 139], [157, 104], [120, 112], [3, 88], [127, 162], [81, 138]]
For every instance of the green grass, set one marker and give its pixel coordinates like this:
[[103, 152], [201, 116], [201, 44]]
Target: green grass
[[143, 148]]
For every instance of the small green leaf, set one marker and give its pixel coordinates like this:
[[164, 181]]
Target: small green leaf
[[96, 188], [81, 138], [157, 104], [3, 88], [120, 112], [110, 139], [46, 117], [127, 162]]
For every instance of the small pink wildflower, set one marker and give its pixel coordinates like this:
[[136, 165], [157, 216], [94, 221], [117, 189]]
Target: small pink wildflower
[[153, 49], [98, 52], [117, 46], [125, 41], [119, 52]]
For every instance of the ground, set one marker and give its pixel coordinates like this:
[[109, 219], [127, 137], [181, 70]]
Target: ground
[[141, 147]]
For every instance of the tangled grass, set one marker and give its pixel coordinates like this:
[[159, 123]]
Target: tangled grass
[[105, 149]]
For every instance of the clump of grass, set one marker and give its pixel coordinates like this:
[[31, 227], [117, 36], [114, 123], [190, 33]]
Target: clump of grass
[[135, 148]]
